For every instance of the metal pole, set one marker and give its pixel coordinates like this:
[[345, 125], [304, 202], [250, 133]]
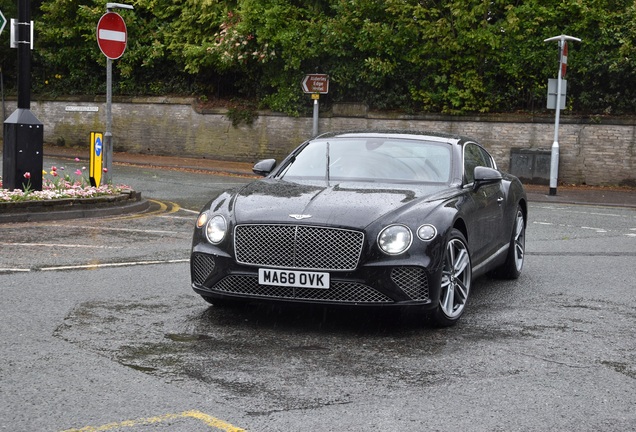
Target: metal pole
[[24, 54], [23, 132], [554, 155], [4, 110], [108, 135], [107, 160], [314, 131]]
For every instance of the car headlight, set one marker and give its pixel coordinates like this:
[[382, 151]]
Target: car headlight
[[395, 239], [215, 229], [426, 232]]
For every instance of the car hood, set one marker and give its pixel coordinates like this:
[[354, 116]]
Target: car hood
[[343, 204]]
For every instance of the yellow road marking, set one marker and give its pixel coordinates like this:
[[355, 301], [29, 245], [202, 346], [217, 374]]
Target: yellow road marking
[[174, 207], [166, 207], [198, 415]]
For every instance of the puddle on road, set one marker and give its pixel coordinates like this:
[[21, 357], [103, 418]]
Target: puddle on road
[[275, 356], [290, 357]]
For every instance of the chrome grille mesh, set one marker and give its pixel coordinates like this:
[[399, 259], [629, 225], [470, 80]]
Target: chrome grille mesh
[[298, 246], [345, 292], [202, 266], [411, 280]]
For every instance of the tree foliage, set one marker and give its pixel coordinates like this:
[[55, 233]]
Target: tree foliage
[[444, 56]]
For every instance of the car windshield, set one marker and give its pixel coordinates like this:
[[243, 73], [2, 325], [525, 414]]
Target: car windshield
[[371, 159]]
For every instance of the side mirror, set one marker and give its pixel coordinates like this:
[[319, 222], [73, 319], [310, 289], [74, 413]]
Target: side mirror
[[484, 175], [264, 167]]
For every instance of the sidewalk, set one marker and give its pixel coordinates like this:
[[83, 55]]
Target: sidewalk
[[583, 195], [211, 165]]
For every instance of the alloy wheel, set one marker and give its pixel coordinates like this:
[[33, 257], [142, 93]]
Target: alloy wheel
[[456, 278], [519, 240]]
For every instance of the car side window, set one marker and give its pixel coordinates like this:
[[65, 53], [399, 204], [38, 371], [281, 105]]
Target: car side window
[[474, 156]]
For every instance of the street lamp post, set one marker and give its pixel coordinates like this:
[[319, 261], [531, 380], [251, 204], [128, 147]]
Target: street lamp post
[[554, 157]]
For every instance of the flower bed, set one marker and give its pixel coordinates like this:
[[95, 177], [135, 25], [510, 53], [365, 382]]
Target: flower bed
[[58, 184]]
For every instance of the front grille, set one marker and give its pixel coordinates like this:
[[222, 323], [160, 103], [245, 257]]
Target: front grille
[[412, 280], [343, 292], [298, 247], [202, 266]]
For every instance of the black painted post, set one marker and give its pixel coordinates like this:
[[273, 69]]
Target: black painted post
[[23, 132]]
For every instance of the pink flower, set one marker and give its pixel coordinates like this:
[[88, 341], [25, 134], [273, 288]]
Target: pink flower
[[78, 172], [27, 175], [77, 159]]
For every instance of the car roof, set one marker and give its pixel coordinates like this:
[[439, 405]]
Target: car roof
[[401, 134]]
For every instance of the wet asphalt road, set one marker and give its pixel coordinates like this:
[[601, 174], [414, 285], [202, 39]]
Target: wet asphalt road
[[99, 328]]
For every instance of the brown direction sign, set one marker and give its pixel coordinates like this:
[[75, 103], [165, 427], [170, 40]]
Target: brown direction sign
[[316, 83]]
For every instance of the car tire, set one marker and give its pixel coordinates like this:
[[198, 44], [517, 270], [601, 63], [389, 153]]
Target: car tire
[[511, 269], [456, 281]]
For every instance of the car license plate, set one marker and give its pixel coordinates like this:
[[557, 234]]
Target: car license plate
[[293, 278]]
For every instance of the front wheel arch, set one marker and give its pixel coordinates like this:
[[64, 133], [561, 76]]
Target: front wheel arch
[[460, 225]]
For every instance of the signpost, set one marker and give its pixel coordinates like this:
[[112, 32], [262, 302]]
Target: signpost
[[23, 132], [3, 21], [111, 38], [553, 85], [563, 60], [97, 147], [112, 35], [316, 84]]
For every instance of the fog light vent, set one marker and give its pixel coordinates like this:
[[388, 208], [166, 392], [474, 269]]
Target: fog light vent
[[202, 267], [412, 280]]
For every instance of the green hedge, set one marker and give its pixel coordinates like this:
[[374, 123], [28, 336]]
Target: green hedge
[[453, 57]]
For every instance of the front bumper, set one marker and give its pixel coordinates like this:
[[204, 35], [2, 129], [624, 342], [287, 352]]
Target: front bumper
[[393, 283]]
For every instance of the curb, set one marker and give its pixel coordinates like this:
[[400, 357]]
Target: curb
[[62, 209]]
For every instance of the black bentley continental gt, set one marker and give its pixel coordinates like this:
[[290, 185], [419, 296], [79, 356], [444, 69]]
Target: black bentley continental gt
[[386, 218]]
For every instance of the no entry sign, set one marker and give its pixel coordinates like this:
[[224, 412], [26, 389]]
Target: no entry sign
[[112, 35]]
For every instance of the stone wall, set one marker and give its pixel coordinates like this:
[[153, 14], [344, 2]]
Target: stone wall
[[592, 151]]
